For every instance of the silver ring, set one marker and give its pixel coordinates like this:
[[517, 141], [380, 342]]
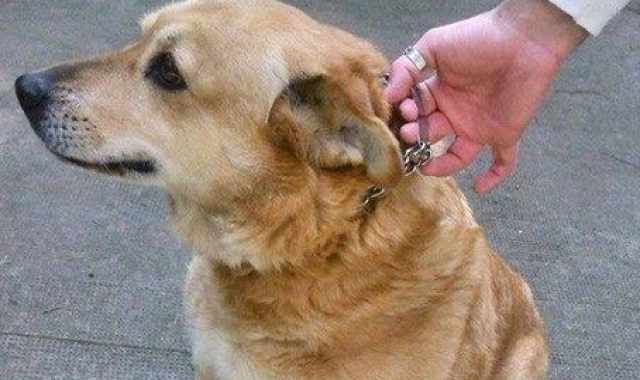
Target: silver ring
[[416, 58]]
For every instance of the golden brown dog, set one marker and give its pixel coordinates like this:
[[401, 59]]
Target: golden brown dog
[[267, 129]]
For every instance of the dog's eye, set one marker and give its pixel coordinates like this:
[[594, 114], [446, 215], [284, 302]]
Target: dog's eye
[[163, 71]]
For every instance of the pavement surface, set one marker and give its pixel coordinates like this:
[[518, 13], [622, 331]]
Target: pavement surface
[[91, 274]]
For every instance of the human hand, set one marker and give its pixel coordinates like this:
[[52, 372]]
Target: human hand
[[493, 72]]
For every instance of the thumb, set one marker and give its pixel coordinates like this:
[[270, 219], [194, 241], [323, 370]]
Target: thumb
[[505, 162]]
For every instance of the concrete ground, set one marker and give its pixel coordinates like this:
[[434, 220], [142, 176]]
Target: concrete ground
[[91, 274]]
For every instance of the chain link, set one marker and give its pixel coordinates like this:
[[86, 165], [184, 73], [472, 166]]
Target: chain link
[[416, 157]]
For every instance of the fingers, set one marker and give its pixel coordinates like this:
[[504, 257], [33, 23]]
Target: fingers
[[460, 155], [426, 101], [505, 162], [436, 127], [423, 105], [404, 76], [409, 110]]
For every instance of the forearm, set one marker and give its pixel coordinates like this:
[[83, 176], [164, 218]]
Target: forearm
[[544, 24]]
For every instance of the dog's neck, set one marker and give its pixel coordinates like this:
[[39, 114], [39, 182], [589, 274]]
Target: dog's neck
[[319, 220]]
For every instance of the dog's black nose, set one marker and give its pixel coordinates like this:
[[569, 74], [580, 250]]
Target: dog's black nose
[[33, 90]]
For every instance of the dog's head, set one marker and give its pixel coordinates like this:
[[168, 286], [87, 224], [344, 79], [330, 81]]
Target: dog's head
[[218, 97]]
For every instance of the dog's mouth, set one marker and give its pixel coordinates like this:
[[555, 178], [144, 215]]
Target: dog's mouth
[[115, 167]]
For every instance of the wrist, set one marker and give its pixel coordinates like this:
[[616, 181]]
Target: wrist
[[542, 23]]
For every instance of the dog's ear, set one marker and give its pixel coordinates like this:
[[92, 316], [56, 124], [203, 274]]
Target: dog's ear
[[335, 122]]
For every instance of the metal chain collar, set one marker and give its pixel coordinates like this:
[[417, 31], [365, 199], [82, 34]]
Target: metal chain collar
[[413, 158]]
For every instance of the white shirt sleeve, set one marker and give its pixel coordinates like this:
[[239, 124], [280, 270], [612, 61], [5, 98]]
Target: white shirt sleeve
[[592, 15]]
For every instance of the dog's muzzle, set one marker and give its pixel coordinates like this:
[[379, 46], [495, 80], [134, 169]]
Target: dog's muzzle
[[52, 109]]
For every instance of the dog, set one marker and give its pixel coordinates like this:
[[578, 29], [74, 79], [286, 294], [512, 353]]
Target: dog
[[267, 129]]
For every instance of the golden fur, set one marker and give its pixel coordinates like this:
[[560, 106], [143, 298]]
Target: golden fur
[[266, 158]]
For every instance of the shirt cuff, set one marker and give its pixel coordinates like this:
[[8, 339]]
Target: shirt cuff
[[592, 15]]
